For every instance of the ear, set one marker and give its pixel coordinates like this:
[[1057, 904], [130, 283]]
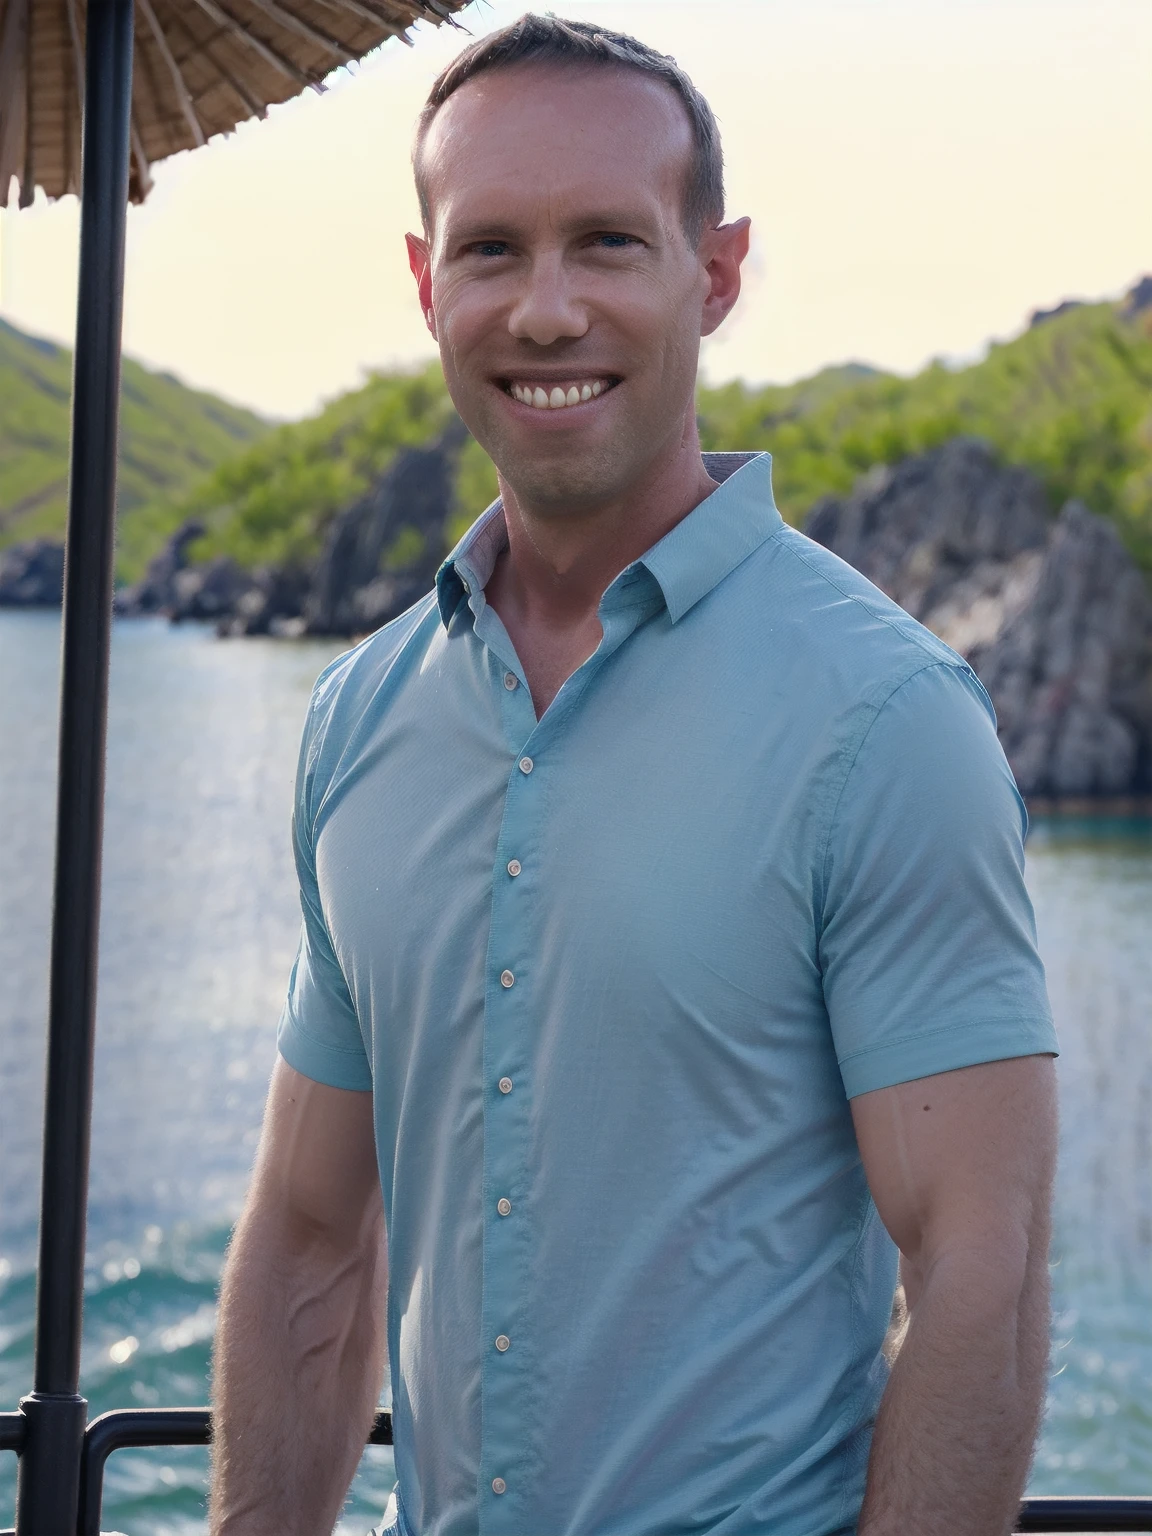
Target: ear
[[721, 252], [420, 260]]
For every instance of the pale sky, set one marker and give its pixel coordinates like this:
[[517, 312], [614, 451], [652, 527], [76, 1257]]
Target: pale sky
[[920, 175]]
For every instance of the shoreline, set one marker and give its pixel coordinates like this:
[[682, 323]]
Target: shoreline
[[1094, 807]]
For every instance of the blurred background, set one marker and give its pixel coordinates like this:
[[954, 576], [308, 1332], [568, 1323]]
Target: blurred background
[[946, 337]]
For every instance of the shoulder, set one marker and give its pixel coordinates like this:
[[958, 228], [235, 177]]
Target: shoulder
[[815, 637], [843, 615], [359, 682]]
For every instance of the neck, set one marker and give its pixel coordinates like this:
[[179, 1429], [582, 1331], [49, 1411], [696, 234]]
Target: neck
[[558, 565]]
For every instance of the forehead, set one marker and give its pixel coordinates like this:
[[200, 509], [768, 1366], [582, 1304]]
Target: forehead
[[547, 137]]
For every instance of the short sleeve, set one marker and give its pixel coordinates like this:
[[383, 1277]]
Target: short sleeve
[[319, 1033], [928, 940]]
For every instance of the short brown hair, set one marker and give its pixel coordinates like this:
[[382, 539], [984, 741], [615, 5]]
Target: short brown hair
[[551, 40]]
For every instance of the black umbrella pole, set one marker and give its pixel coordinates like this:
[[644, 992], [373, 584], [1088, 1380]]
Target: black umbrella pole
[[47, 1498]]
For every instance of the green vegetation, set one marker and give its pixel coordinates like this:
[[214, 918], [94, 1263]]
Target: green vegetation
[[1071, 398], [270, 504], [170, 436]]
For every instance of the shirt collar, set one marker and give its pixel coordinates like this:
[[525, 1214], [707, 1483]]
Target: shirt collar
[[686, 564], [466, 570]]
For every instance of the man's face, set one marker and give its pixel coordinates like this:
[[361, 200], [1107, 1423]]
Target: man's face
[[559, 270]]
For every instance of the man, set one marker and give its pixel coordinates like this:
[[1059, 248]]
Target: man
[[664, 943]]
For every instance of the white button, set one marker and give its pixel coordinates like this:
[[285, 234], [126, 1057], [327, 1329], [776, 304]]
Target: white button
[[498, 1485], [507, 979], [511, 681], [505, 1085], [503, 1342], [504, 1206], [514, 867], [526, 765]]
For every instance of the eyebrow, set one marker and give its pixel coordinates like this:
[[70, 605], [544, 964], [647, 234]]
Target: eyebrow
[[604, 219], [469, 233]]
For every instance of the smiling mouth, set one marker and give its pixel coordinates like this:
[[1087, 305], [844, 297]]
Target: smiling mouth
[[561, 395]]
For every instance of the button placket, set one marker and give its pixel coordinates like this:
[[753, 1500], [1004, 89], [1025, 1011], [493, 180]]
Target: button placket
[[509, 1368], [506, 1349], [506, 1344]]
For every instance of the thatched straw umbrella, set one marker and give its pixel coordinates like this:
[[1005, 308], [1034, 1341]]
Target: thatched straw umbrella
[[92, 94], [201, 67]]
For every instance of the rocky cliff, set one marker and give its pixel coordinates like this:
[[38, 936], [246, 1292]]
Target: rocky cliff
[[356, 587], [379, 555], [32, 574], [1050, 611]]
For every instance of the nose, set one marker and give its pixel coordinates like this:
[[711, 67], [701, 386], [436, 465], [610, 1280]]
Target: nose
[[547, 310]]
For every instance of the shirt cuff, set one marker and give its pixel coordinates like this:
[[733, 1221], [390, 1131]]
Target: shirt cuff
[[945, 1050], [332, 1065]]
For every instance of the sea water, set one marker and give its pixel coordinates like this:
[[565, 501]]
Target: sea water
[[198, 931]]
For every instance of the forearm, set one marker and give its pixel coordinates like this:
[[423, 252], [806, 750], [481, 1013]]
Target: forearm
[[298, 1365], [957, 1424]]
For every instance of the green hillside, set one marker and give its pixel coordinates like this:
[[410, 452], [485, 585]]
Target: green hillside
[[170, 436], [1072, 398], [271, 503]]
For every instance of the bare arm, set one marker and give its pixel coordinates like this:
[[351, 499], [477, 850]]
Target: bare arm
[[300, 1346], [960, 1166]]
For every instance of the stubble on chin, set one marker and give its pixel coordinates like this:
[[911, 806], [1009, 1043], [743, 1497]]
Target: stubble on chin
[[565, 482], [561, 487]]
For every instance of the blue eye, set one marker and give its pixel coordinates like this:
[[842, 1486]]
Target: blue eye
[[615, 242], [491, 248]]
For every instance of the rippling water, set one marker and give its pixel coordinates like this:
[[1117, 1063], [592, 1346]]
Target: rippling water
[[198, 931], [1092, 885]]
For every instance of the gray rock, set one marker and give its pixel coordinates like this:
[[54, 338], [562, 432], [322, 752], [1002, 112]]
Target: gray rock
[[1071, 673], [350, 592], [156, 592], [1138, 298], [32, 575], [1052, 614], [1039, 316], [209, 591], [271, 604], [951, 535]]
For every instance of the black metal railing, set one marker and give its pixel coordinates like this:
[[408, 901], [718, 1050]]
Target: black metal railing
[[145, 1428], [137, 1429], [142, 1427], [1058, 1515]]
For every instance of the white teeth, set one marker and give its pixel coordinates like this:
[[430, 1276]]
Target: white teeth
[[558, 396]]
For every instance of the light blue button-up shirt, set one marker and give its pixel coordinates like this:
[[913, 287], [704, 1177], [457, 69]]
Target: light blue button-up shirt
[[613, 976]]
